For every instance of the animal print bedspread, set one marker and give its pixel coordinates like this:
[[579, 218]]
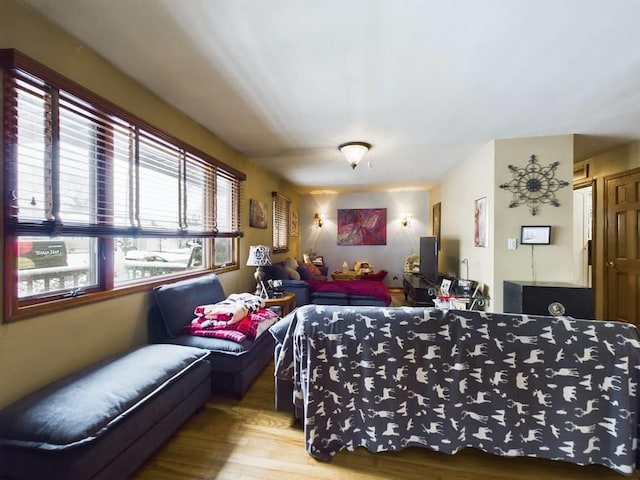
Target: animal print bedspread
[[513, 385]]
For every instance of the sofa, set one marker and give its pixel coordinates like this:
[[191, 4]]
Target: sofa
[[509, 384], [312, 288], [104, 421], [234, 365], [295, 277]]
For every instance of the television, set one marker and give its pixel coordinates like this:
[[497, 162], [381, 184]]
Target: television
[[535, 235], [429, 258]]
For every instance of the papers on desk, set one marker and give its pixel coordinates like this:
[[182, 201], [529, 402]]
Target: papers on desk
[[444, 287]]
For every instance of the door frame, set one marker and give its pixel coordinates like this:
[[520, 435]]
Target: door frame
[[577, 185], [605, 238]]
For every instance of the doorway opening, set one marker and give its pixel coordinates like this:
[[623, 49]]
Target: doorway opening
[[583, 236]]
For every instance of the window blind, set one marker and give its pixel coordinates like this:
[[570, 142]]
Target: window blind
[[76, 168], [281, 208]]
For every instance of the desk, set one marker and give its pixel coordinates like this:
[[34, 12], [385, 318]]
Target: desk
[[477, 302], [350, 275], [286, 302]]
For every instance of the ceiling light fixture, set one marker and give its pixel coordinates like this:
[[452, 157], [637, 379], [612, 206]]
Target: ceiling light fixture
[[354, 151]]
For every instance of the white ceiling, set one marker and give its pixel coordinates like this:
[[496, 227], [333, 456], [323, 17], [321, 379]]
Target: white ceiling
[[427, 82]]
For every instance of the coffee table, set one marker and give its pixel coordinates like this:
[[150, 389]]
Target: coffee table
[[350, 275]]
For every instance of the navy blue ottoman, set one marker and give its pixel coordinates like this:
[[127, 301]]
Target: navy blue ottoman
[[104, 421]]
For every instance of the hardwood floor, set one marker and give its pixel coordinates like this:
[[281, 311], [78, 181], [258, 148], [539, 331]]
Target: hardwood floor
[[247, 439]]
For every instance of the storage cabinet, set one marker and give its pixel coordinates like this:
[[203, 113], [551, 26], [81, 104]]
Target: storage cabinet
[[537, 298]]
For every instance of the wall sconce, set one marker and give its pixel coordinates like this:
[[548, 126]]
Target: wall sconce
[[404, 223], [317, 221]]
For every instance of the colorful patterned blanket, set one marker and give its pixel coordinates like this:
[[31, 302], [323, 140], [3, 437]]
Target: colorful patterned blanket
[[237, 318]]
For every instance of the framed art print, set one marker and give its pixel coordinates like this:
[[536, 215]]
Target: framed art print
[[362, 226], [480, 222], [294, 226], [435, 227], [257, 214]]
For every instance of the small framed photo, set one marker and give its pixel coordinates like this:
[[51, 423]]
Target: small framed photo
[[294, 225], [257, 214], [435, 226], [445, 286], [535, 235]]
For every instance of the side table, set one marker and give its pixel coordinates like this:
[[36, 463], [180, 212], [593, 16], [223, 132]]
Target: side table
[[419, 291], [286, 302]]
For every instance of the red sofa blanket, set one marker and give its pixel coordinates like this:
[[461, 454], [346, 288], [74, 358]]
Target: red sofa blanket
[[353, 287]]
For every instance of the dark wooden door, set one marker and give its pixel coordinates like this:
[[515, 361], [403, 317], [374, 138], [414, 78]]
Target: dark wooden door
[[622, 248]]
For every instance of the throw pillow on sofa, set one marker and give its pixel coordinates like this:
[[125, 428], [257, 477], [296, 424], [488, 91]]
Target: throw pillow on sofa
[[305, 274], [276, 272], [312, 268], [291, 266]]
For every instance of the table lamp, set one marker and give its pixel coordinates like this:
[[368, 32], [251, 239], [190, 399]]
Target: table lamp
[[259, 257]]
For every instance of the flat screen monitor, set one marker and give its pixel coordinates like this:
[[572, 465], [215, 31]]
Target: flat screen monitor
[[535, 235], [429, 258]]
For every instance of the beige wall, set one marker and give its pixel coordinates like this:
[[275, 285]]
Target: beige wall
[[481, 176], [551, 263], [616, 161], [486, 170], [401, 242], [457, 194], [36, 351]]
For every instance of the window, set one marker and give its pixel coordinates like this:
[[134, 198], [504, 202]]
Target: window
[[281, 212], [99, 200]]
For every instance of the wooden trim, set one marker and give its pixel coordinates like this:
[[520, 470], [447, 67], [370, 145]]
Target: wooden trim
[[14, 313], [14, 59], [581, 170], [577, 184], [594, 238], [17, 65], [605, 235]]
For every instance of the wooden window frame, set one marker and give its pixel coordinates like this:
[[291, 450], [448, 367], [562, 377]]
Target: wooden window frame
[[17, 67], [281, 217]]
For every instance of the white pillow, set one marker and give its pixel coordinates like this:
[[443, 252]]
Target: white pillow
[[290, 262], [290, 266]]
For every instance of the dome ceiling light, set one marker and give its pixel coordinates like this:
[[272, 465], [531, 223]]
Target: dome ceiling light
[[354, 151]]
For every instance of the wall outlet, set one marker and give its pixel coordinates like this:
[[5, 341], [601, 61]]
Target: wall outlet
[[512, 243]]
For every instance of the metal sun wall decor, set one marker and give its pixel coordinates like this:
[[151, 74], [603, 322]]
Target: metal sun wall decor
[[534, 185]]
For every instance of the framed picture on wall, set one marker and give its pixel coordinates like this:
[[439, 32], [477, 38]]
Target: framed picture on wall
[[362, 226], [535, 235], [480, 222], [435, 224], [294, 227], [257, 214]]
